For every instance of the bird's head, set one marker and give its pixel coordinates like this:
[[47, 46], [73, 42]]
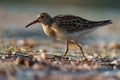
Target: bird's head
[[43, 18]]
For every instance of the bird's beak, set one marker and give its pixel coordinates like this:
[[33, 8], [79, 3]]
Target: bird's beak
[[33, 22]]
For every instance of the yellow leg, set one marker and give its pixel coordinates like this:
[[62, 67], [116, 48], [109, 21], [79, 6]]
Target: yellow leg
[[80, 49], [67, 48]]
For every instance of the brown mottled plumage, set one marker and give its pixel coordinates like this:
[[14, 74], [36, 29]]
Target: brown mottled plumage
[[74, 23], [67, 27]]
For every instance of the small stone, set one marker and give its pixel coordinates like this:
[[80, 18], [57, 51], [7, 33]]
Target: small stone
[[19, 60], [86, 67], [95, 55], [37, 66], [43, 56], [37, 57], [42, 50], [112, 45], [3, 57], [26, 63], [56, 62], [20, 42], [7, 55], [114, 62], [78, 61], [89, 57]]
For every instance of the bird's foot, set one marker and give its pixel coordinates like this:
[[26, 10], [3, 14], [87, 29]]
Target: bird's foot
[[85, 58], [62, 56]]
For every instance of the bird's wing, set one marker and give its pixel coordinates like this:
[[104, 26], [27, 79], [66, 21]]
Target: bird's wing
[[72, 23]]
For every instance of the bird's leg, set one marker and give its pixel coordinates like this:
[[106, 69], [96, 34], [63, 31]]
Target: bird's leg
[[81, 49], [67, 48]]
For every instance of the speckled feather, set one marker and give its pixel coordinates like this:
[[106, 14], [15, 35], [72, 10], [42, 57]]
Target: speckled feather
[[73, 24]]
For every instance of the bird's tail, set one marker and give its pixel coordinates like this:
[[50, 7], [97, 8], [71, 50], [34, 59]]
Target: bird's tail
[[105, 22]]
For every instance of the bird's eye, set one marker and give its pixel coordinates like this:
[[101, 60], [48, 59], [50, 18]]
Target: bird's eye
[[41, 16]]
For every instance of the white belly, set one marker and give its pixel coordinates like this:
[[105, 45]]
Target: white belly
[[75, 35]]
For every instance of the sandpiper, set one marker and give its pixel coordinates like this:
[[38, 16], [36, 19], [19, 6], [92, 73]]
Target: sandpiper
[[67, 27]]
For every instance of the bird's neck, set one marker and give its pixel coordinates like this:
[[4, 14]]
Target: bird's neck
[[45, 26], [48, 31], [47, 22]]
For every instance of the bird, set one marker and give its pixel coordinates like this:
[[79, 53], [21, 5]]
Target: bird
[[68, 28]]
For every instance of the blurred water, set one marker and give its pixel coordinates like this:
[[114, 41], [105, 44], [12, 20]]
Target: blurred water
[[14, 17]]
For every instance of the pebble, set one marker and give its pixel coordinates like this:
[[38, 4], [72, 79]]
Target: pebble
[[37, 66]]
